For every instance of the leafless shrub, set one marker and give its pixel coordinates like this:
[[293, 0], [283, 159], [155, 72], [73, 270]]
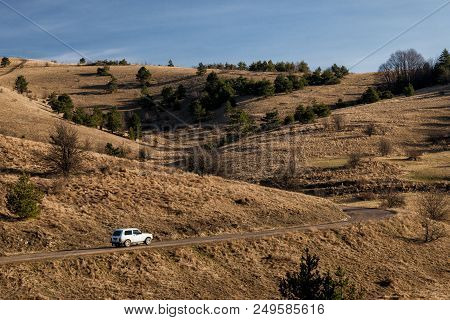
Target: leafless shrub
[[65, 154], [431, 229], [393, 200], [340, 122], [144, 153], [354, 159], [370, 129], [413, 154], [433, 205], [384, 147]]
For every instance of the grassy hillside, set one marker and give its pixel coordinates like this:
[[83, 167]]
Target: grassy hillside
[[383, 259], [113, 193]]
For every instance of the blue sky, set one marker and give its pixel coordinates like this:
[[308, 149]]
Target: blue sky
[[319, 32]]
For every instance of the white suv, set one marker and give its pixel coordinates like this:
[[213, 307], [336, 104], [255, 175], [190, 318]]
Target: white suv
[[127, 237]]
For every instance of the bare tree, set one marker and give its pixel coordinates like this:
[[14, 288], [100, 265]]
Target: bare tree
[[65, 154], [432, 207], [402, 67]]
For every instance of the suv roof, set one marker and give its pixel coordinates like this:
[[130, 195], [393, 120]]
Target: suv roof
[[126, 229]]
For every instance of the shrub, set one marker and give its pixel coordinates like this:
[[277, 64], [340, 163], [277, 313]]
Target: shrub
[[97, 118], [180, 93], [339, 122], [82, 61], [103, 71], [198, 111], [387, 95], [370, 129], [271, 120], [144, 154], [240, 121], [370, 96], [21, 84], [113, 120], [201, 69], [143, 75], [61, 104], [135, 127], [433, 205], [170, 63], [393, 200], [384, 147], [309, 284], [282, 84], [24, 198], [321, 110], [204, 161], [304, 115], [289, 119], [413, 154], [112, 85], [354, 159], [409, 90], [114, 151], [5, 62], [81, 117], [65, 154]]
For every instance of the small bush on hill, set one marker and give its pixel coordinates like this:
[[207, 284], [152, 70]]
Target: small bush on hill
[[354, 159], [370, 129], [113, 120], [21, 85], [201, 69], [309, 284], [24, 198], [61, 104], [371, 95], [143, 75], [289, 119], [5, 62], [385, 147], [304, 115], [65, 154], [409, 90], [103, 71], [393, 200], [114, 151], [112, 85], [271, 121], [82, 61]]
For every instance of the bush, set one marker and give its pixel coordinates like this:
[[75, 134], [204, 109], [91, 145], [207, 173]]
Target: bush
[[143, 75], [271, 120], [82, 61], [354, 159], [201, 69], [204, 161], [289, 119], [24, 198], [387, 95], [282, 84], [321, 110], [304, 115], [103, 71], [340, 122], [113, 120], [433, 205], [21, 85], [5, 62], [65, 154], [413, 154], [170, 63], [144, 154], [81, 117], [384, 147], [61, 104], [97, 118], [393, 200], [370, 129], [114, 151], [409, 90], [135, 127], [112, 85], [198, 111], [309, 284], [371, 95]]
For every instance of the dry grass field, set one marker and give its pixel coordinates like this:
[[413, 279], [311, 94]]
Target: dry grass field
[[113, 193], [386, 259], [383, 259]]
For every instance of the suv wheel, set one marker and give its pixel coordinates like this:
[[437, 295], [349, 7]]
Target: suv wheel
[[148, 241], [127, 243]]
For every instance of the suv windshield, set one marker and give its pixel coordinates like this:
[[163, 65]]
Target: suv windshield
[[117, 233]]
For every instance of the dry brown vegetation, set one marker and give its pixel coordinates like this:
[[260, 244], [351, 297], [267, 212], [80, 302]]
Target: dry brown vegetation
[[387, 259]]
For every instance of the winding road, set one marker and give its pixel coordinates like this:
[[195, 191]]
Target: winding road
[[356, 214]]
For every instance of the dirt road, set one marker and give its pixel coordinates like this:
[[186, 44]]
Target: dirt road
[[356, 215]]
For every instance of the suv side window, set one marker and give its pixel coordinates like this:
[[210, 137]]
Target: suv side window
[[128, 233], [136, 232]]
